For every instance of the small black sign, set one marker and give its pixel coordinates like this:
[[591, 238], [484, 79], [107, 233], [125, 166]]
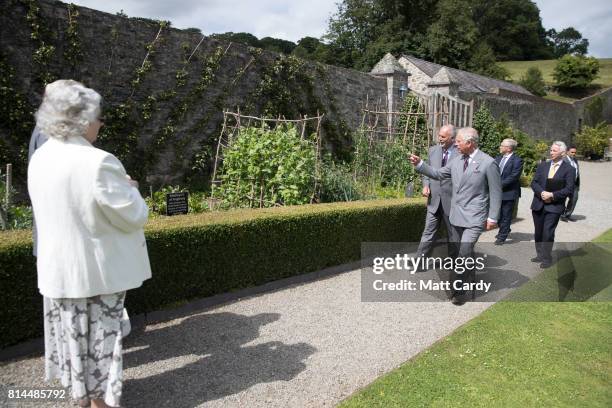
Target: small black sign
[[177, 203]]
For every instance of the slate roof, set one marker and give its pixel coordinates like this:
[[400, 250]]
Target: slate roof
[[467, 81]]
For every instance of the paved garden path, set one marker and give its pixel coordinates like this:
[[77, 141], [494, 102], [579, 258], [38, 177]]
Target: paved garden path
[[313, 344]]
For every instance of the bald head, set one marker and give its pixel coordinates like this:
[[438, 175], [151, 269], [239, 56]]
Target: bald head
[[446, 136]]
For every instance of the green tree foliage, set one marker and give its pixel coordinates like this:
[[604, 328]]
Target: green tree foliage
[[567, 41], [467, 34], [313, 49], [267, 167], [242, 38], [452, 37], [482, 61], [533, 81], [592, 141], [490, 132], [277, 45], [267, 43], [362, 31], [575, 71], [512, 28]]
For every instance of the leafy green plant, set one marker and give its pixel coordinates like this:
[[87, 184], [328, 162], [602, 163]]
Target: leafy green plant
[[157, 201], [490, 131], [592, 141], [337, 182], [575, 71], [265, 167], [533, 81], [381, 166]]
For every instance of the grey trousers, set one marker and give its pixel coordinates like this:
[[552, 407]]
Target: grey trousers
[[432, 224], [464, 239]]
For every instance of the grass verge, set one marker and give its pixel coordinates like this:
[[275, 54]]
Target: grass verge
[[514, 354], [518, 68]]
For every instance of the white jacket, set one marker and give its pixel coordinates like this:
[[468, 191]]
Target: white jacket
[[89, 221]]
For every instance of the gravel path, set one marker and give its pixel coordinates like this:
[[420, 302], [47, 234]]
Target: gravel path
[[313, 344]]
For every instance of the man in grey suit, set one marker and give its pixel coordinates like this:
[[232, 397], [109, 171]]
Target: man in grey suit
[[476, 199], [438, 192]]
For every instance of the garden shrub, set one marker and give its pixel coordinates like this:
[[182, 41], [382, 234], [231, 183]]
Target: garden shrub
[[592, 141], [575, 71], [533, 81], [198, 255], [265, 167]]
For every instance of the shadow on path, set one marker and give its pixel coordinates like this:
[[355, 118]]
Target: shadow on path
[[225, 365]]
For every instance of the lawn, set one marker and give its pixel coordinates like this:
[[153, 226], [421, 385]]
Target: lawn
[[514, 354], [518, 68]]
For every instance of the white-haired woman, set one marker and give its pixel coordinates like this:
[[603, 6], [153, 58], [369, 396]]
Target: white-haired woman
[[91, 245]]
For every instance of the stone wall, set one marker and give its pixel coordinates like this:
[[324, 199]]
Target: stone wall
[[540, 118], [595, 108], [164, 121]]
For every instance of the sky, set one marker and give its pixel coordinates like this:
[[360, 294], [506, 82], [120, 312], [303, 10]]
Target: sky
[[292, 20]]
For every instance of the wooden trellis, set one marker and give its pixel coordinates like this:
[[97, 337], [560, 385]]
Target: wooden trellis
[[444, 109], [233, 122], [406, 130]]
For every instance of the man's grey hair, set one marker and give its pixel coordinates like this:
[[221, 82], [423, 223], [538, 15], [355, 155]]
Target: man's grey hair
[[562, 145], [469, 135], [452, 129], [67, 109], [511, 143]]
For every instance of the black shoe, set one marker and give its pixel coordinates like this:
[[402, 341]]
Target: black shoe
[[545, 264], [564, 219], [536, 259], [499, 241], [458, 298]]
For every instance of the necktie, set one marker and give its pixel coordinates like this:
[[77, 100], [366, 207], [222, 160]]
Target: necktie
[[444, 158], [466, 160], [502, 164], [553, 170]]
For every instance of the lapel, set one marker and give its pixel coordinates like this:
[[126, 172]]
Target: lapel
[[474, 165], [507, 165], [561, 166]]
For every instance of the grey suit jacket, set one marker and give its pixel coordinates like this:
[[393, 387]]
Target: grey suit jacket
[[477, 192], [441, 191]]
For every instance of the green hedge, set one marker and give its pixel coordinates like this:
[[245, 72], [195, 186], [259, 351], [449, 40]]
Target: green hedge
[[200, 255]]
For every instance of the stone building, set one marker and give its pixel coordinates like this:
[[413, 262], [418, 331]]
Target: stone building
[[539, 117], [426, 77]]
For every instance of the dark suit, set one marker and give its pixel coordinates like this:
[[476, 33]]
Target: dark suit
[[439, 200], [511, 191], [546, 215], [573, 198]]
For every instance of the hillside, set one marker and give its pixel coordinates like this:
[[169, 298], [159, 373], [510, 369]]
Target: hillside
[[518, 68]]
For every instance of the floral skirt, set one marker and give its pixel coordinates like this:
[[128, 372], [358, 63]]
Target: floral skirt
[[83, 345]]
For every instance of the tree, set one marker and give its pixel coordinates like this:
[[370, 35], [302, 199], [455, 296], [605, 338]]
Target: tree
[[452, 37], [513, 29], [242, 38], [490, 131], [568, 41], [482, 61], [533, 81], [313, 49], [575, 71], [361, 31], [277, 45]]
